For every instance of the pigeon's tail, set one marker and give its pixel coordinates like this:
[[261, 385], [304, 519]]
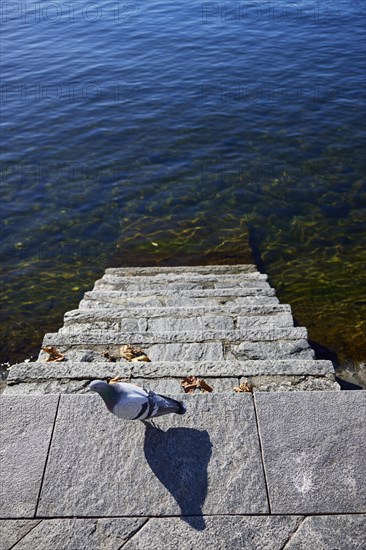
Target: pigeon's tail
[[182, 408], [168, 405]]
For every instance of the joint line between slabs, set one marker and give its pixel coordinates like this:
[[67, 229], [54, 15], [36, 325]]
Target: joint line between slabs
[[262, 455], [291, 536], [134, 533], [26, 534], [47, 457]]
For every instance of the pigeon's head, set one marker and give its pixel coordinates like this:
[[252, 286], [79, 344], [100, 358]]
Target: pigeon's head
[[99, 386], [106, 391]]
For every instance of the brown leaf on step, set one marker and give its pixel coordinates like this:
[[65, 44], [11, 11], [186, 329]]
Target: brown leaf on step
[[115, 380], [190, 384], [53, 354], [109, 357], [133, 354], [244, 387], [143, 358], [204, 387]]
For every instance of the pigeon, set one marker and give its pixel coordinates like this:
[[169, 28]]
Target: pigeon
[[132, 402]]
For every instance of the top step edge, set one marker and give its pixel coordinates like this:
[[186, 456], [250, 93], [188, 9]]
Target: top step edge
[[239, 268], [234, 362]]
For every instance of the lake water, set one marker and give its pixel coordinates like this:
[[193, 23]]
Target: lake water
[[152, 132]]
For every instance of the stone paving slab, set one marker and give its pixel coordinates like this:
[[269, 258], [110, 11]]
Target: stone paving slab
[[25, 431], [336, 532], [41, 371], [214, 533], [13, 530], [313, 445], [205, 461], [74, 534]]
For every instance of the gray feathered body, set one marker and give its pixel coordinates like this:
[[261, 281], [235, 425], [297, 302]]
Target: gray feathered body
[[132, 402]]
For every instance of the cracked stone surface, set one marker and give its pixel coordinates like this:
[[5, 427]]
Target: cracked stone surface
[[338, 532], [25, 431], [214, 533], [12, 530], [79, 534], [98, 463], [314, 461]]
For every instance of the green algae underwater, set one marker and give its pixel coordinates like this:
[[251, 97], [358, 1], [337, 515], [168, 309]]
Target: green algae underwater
[[175, 136], [309, 262]]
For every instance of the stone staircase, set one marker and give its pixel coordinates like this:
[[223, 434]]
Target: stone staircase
[[221, 323], [257, 469]]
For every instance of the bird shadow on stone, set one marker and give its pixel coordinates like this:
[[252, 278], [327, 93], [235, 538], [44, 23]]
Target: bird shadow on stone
[[179, 458]]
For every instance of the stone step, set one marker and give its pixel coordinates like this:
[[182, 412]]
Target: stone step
[[165, 324], [165, 377], [86, 333], [121, 285], [106, 314], [82, 370], [184, 351], [193, 277], [182, 282], [173, 301], [185, 298], [195, 293], [184, 270], [172, 385]]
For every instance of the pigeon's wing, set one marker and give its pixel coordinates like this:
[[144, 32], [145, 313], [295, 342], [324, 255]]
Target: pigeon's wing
[[131, 407], [132, 402], [126, 388], [136, 403]]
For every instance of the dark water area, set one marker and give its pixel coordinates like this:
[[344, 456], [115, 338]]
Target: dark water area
[[166, 132]]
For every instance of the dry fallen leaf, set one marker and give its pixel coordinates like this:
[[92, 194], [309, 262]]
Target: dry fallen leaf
[[133, 354], [115, 380], [204, 387], [109, 357], [191, 383], [244, 387], [144, 358], [53, 354]]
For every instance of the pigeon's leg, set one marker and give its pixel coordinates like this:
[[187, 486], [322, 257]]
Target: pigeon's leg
[[151, 424]]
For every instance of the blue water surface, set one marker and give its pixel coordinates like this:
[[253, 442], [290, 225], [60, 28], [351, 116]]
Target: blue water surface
[[126, 124]]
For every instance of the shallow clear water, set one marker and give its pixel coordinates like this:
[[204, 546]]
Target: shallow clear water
[[140, 133]]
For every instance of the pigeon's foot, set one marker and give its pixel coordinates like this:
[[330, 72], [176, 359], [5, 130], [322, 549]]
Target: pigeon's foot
[[150, 424]]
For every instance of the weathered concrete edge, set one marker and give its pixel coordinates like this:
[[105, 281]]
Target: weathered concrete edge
[[41, 371]]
